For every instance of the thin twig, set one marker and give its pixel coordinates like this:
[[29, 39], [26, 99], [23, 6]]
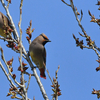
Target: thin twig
[[57, 72], [81, 15], [20, 40], [28, 82], [94, 47], [3, 58], [56, 82], [65, 3], [8, 4], [49, 76], [2, 67], [8, 40], [37, 79]]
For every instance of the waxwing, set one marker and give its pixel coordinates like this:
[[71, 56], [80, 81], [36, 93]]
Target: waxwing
[[4, 23], [38, 53]]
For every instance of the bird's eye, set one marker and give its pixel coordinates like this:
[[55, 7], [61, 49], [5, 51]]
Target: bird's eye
[[44, 37]]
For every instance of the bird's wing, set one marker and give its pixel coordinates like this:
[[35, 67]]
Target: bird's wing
[[2, 18], [44, 56], [1, 21], [5, 21]]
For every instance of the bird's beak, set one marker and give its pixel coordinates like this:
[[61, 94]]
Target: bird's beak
[[49, 41]]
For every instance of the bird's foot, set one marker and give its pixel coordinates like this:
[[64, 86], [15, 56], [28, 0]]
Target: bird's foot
[[33, 67]]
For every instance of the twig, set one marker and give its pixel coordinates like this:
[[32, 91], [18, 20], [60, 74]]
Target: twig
[[65, 3], [56, 82], [8, 40], [25, 53], [37, 78], [2, 67], [79, 23], [28, 82], [19, 98], [8, 4], [20, 41], [96, 51], [81, 15], [57, 72], [8, 67], [94, 47], [49, 76], [2, 38]]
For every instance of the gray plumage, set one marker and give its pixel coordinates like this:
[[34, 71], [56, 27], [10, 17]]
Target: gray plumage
[[38, 52]]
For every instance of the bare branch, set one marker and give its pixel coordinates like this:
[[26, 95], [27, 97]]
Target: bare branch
[[81, 15], [26, 56], [56, 86], [8, 40], [79, 22], [49, 76], [2, 67], [8, 4], [3, 58], [57, 72], [92, 47], [91, 43], [65, 3], [20, 41], [28, 82]]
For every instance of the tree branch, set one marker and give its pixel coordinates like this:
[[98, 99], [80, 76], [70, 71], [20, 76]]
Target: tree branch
[[26, 55]]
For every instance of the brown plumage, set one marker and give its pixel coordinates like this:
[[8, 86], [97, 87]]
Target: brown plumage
[[38, 53], [4, 25]]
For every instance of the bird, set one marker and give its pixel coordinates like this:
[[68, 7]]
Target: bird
[[37, 52], [4, 24]]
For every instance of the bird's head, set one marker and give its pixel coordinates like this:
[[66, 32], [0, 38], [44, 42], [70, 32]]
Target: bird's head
[[44, 39]]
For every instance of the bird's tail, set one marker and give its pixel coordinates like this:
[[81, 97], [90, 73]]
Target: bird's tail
[[42, 73]]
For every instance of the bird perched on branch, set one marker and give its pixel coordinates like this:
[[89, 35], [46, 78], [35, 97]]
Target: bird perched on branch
[[5, 26], [38, 53]]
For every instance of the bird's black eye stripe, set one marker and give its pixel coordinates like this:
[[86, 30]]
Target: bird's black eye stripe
[[43, 36]]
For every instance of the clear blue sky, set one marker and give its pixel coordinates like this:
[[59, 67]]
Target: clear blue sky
[[77, 76]]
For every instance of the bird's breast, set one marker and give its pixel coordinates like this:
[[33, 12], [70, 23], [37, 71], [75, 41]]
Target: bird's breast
[[34, 58]]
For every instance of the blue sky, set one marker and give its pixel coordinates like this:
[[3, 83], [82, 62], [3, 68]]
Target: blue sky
[[77, 75]]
